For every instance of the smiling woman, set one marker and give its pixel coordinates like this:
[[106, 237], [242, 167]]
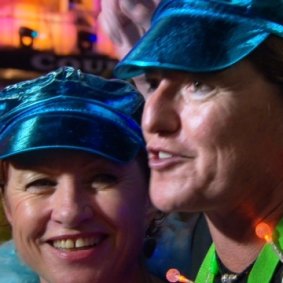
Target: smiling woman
[[74, 177]]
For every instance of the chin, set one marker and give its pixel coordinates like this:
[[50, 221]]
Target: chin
[[163, 203], [171, 200]]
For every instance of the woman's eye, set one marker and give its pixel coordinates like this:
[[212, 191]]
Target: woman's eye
[[40, 185], [152, 84], [103, 181], [200, 90]]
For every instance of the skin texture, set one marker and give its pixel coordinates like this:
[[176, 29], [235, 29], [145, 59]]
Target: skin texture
[[75, 195], [215, 145], [124, 21]]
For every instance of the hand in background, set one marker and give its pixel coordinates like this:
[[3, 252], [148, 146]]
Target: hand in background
[[125, 21]]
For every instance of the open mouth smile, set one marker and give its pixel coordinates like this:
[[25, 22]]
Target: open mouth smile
[[79, 243]]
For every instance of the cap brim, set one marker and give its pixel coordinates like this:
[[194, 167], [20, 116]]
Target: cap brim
[[97, 130], [192, 43]]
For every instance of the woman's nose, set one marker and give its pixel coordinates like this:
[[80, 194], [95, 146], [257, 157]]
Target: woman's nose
[[71, 205], [160, 115]]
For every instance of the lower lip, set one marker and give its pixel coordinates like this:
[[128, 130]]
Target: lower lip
[[165, 163], [78, 255]]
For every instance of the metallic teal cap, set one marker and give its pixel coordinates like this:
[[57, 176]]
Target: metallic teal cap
[[202, 35], [68, 109]]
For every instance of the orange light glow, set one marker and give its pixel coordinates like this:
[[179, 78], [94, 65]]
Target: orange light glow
[[263, 231]]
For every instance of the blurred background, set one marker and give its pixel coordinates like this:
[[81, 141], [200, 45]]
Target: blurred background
[[38, 36]]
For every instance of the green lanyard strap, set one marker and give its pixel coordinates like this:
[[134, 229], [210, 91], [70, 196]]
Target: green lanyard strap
[[263, 268], [209, 267]]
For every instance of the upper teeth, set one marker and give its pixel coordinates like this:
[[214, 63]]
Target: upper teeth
[[78, 243], [163, 154]]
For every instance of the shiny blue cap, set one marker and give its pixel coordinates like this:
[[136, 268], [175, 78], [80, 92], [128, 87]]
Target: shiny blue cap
[[202, 35], [68, 109]]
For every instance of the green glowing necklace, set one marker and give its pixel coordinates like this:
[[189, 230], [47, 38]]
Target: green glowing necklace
[[263, 268]]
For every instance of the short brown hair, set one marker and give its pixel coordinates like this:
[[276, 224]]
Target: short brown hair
[[268, 58]]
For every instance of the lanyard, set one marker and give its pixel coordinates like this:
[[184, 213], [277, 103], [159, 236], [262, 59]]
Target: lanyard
[[263, 268]]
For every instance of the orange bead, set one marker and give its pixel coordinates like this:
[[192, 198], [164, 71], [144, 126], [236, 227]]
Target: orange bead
[[173, 275], [263, 231]]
